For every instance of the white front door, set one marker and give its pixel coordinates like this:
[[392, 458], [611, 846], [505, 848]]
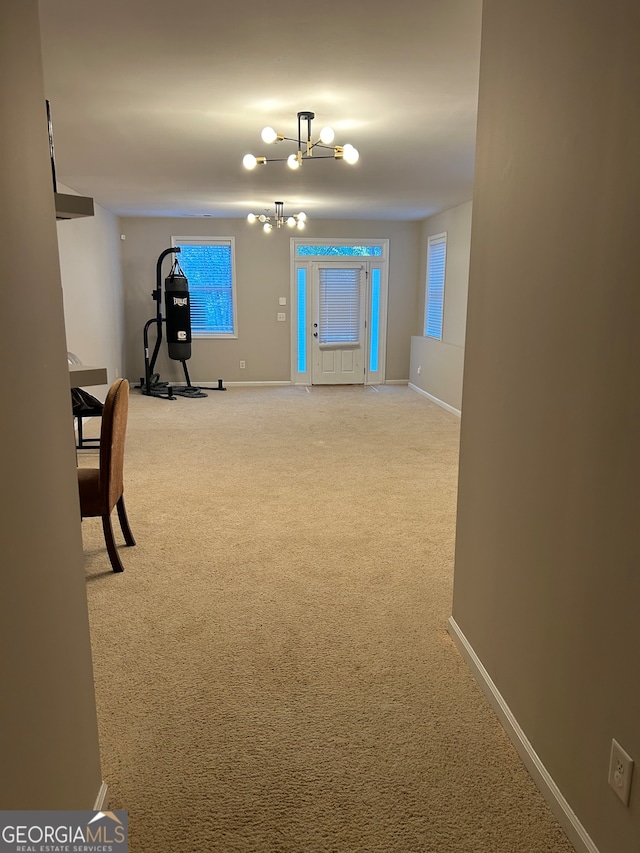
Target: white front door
[[338, 318]]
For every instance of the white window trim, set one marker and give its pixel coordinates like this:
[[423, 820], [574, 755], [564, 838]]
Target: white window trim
[[216, 241], [433, 239]]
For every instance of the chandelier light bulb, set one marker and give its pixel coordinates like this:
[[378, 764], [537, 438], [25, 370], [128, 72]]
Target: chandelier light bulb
[[251, 218], [300, 225], [327, 135], [292, 161], [268, 135], [351, 154], [291, 221], [262, 217], [302, 216], [249, 161], [266, 227]]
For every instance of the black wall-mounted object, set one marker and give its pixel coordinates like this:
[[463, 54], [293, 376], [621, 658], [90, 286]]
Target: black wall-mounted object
[[52, 154], [67, 206]]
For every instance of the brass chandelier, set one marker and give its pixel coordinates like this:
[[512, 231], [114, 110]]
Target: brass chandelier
[[305, 147], [295, 220]]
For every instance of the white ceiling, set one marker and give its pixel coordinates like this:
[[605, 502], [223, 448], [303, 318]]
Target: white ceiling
[[154, 103]]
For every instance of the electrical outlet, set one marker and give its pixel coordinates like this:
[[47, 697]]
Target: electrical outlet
[[243, 364], [282, 317], [620, 771]]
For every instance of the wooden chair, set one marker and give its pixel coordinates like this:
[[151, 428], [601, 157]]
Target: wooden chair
[[102, 488]]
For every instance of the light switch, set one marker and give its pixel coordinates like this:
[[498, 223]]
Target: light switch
[[283, 300]]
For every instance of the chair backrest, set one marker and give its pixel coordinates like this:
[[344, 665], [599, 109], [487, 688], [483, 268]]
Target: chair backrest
[[112, 440]]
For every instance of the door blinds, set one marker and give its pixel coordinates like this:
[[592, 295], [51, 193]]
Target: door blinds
[[339, 308]]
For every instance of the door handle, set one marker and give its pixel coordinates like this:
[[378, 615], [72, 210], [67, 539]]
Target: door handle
[[315, 334]]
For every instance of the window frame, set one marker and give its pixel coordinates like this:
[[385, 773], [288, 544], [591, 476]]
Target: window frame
[[214, 241], [434, 290]]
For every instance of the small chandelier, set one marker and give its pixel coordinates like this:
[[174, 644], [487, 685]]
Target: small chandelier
[[296, 220], [306, 146]]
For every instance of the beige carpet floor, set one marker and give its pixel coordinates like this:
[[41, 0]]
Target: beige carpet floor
[[273, 670]]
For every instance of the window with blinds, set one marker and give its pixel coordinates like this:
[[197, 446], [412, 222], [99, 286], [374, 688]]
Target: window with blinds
[[209, 267], [436, 263], [339, 308]]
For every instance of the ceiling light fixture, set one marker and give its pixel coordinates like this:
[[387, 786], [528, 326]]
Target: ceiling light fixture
[[296, 220], [305, 146]]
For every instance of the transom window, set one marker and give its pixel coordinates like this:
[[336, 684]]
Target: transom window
[[344, 251]]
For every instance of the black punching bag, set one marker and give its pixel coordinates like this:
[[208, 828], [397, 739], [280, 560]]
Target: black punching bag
[[176, 290]]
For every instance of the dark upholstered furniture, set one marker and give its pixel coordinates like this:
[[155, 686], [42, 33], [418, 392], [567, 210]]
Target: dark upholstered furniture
[[84, 405]]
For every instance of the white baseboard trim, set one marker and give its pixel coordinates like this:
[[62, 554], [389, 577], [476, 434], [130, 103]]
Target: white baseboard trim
[[435, 400], [269, 382], [101, 799], [212, 383], [563, 812], [393, 382]]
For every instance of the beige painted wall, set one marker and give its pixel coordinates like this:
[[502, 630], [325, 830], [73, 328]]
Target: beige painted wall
[[441, 362], [49, 756], [90, 266], [547, 573], [263, 273], [441, 367]]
